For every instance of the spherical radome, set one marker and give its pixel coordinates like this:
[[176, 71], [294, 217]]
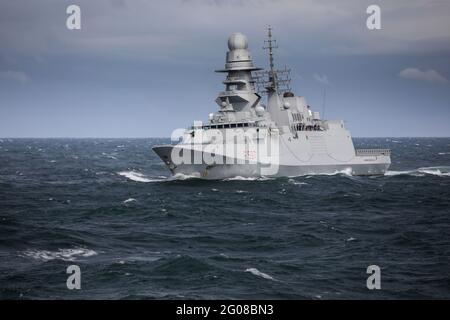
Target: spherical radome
[[237, 41], [259, 111]]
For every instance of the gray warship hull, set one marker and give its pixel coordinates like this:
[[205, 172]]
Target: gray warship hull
[[374, 162]]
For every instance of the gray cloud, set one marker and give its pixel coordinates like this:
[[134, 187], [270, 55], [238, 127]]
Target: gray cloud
[[426, 75], [154, 60], [165, 26], [17, 76], [322, 79]]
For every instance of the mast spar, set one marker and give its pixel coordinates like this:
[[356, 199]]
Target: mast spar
[[272, 79], [271, 44]]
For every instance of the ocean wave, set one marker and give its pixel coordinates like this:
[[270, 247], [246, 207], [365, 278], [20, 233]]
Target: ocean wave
[[181, 176], [240, 178], [139, 177], [258, 273], [129, 200], [296, 183], [443, 171], [61, 254], [344, 172], [109, 156]]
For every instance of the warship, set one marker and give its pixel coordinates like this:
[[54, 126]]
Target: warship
[[283, 137]]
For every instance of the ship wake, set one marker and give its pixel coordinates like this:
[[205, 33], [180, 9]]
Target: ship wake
[[442, 171]]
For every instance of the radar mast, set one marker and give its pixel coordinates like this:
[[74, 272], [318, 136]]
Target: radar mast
[[273, 79]]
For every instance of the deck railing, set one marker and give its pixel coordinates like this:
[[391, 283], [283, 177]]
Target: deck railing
[[373, 152]]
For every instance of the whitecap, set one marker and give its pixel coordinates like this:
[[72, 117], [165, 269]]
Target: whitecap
[[258, 273], [443, 153], [296, 183], [346, 172], [420, 172], [240, 178], [129, 200], [435, 171], [181, 176], [241, 191], [137, 176], [109, 156], [61, 254], [396, 173]]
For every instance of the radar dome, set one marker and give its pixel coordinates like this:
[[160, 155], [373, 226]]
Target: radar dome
[[237, 41], [259, 111]]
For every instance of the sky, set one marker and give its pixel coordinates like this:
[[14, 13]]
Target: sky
[[144, 68]]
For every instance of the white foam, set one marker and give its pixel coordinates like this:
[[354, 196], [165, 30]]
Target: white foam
[[296, 183], [346, 171], [61, 254], [240, 178], [443, 153], [396, 173], [108, 156], [420, 172], [129, 200], [258, 273], [435, 171], [138, 177], [181, 176]]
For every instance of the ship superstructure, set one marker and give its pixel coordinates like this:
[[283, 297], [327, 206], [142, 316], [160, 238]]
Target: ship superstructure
[[283, 137]]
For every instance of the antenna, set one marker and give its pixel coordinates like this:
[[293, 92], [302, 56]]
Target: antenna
[[270, 45], [272, 79], [323, 101]]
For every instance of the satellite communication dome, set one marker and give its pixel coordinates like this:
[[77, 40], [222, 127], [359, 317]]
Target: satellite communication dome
[[259, 111], [237, 41]]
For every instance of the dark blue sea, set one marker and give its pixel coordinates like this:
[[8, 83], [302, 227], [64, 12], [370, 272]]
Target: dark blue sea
[[110, 207]]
